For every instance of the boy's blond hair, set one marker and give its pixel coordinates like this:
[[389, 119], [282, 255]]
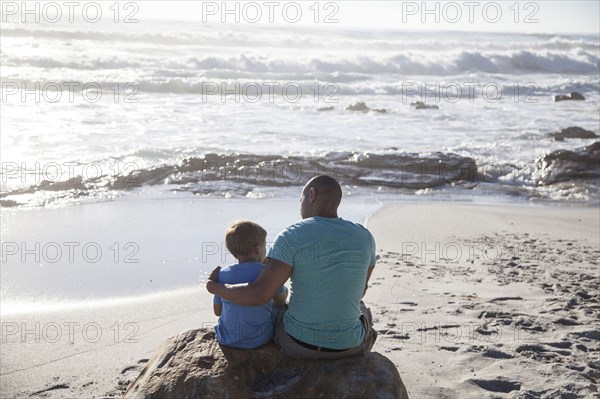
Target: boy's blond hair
[[242, 236]]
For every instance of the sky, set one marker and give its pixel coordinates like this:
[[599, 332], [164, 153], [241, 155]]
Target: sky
[[552, 16], [546, 16]]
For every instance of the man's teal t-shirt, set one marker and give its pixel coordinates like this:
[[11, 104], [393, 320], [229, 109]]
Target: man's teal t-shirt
[[330, 257]]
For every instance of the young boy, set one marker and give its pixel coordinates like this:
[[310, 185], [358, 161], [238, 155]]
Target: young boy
[[246, 326]]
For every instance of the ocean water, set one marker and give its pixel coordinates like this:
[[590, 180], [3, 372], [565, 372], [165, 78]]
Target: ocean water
[[146, 140], [99, 112], [95, 253]]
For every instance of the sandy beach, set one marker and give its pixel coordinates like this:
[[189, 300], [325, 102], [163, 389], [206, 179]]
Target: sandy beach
[[464, 135], [470, 301], [489, 301]]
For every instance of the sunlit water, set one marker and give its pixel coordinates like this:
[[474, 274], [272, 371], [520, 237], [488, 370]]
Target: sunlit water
[[154, 102]]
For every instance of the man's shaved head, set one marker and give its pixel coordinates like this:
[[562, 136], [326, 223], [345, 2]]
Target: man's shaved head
[[321, 196], [326, 186]]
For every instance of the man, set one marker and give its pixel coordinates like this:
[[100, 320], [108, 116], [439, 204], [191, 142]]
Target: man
[[329, 261]]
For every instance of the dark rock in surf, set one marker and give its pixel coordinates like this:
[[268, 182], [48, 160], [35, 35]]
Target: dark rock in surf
[[358, 107], [568, 97], [573, 132], [565, 165], [422, 105], [362, 107]]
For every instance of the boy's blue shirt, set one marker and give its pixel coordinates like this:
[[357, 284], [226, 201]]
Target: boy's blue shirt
[[240, 326]]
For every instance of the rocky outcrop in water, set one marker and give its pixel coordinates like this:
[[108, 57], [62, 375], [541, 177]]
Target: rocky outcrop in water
[[573, 132], [422, 105], [565, 165], [362, 107], [569, 97], [330, 108], [238, 174]]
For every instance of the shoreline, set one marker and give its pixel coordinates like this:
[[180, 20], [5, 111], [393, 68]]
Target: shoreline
[[419, 307], [379, 204], [117, 249]]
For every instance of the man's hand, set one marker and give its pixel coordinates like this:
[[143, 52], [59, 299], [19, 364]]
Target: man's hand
[[214, 275], [213, 278], [257, 293]]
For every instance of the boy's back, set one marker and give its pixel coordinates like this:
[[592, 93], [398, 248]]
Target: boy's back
[[244, 326]]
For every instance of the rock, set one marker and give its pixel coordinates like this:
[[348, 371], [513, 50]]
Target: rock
[[8, 203], [573, 96], [194, 365], [325, 108], [565, 165], [359, 107], [422, 105], [577, 96], [362, 107], [573, 132], [75, 183]]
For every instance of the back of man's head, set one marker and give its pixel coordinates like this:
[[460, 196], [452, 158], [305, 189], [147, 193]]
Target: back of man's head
[[328, 190]]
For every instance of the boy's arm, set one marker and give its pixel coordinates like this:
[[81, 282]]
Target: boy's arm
[[279, 299], [217, 308], [265, 287]]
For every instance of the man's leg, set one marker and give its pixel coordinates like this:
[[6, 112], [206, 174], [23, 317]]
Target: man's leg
[[287, 345], [291, 348]]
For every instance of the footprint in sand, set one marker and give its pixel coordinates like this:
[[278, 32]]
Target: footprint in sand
[[498, 385], [135, 367], [52, 388]]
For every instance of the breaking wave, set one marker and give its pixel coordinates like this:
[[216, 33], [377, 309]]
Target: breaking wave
[[442, 63]]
